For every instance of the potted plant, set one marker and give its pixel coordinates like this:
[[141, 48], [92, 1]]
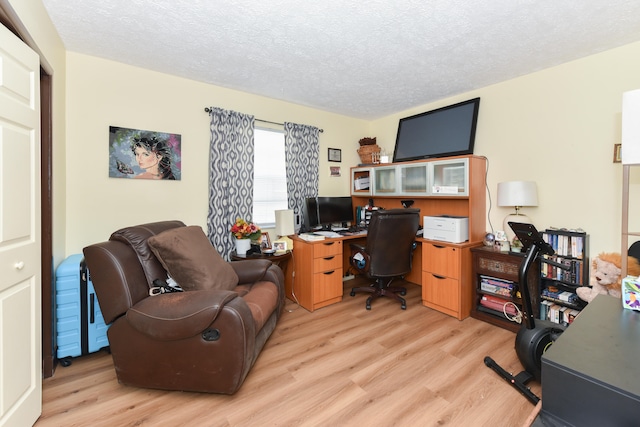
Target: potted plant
[[244, 232]]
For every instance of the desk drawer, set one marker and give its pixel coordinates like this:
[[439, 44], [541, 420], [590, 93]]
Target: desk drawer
[[441, 291], [327, 263], [327, 286], [327, 248], [440, 259]]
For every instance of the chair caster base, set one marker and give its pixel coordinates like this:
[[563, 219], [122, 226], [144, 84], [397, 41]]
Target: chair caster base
[[353, 294]]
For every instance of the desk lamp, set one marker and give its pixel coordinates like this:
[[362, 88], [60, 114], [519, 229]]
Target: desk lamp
[[516, 194], [285, 226]]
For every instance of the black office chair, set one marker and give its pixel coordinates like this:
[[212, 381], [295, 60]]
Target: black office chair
[[387, 255]]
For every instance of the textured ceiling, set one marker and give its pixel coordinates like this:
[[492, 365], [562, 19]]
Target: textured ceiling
[[363, 60]]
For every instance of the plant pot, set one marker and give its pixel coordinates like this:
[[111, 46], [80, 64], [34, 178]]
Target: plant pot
[[242, 246], [369, 154]]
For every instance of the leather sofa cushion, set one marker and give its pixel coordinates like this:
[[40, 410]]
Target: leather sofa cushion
[[136, 236], [191, 260], [262, 298]]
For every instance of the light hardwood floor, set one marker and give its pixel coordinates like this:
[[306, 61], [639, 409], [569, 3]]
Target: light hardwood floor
[[338, 366]]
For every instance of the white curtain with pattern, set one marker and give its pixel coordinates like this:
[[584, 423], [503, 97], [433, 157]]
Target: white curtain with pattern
[[230, 175], [302, 155]]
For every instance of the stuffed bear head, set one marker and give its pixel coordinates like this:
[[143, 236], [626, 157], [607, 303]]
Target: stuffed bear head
[[606, 270], [606, 276]]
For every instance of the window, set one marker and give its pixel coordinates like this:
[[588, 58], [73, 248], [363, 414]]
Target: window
[[269, 176]]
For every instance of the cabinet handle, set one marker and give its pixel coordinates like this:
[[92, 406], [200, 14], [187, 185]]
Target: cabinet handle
[[329, 272], [438, 277], [328, 258]]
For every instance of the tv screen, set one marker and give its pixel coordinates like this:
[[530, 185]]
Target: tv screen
[[446, 131]]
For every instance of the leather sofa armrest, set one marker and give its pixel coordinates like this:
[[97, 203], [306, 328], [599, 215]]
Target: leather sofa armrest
[[252, 270], [179, 315]]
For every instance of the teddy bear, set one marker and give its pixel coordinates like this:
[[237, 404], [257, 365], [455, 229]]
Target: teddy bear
[[605, 276]]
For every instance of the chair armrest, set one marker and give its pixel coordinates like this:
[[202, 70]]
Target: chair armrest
[[179, 315]]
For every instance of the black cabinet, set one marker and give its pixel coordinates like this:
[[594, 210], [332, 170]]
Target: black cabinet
[[496, 288]]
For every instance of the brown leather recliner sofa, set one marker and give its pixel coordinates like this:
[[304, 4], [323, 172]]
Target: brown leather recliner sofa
[[204, 339]]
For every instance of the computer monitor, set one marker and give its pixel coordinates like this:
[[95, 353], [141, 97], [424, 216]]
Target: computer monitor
[[310, 214], [325, 211], [334, 210]]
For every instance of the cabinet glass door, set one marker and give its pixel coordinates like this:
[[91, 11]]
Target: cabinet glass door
[[385, 181], [413, 179], [450, 178]]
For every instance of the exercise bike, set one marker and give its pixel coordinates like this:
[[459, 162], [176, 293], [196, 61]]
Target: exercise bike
[[535, 335]]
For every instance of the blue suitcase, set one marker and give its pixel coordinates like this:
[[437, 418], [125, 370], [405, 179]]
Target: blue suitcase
[[80, 327]]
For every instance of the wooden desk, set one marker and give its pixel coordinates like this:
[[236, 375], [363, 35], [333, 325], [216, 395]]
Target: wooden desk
[[590, 374], [442, 269]]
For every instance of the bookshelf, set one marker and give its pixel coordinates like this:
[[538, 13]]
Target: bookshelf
[[495, 278], [558, 300]]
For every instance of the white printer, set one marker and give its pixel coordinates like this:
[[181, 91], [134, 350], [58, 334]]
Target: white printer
[[447, 228]]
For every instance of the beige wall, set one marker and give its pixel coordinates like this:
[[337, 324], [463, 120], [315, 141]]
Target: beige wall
[[43, 37], [103, 93], [556, 127]]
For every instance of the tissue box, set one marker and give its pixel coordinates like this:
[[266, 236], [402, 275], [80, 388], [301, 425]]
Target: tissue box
[[631, 293]]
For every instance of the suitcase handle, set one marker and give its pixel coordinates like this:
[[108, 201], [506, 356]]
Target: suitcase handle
[[92, 308]]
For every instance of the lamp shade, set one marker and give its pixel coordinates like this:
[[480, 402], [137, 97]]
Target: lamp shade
[[630, 151], [284, 222], [517, 193]]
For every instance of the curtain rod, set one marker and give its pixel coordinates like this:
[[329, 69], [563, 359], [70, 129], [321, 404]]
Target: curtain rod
[[208, 110]]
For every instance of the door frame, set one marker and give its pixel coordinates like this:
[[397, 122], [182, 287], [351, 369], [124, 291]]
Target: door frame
[[49, 360]]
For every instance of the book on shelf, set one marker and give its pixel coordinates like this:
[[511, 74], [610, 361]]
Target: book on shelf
[[563, 297], [498, 304], [497, 286], [573, 275], [571, 245], [556, 313]]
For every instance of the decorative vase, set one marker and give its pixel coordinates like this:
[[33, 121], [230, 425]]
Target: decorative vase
[[242, 246]]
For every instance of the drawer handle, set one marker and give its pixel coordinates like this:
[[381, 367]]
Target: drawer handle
[[438, 277], [439, 247], [328, 243], [328, 258], [329, 272]]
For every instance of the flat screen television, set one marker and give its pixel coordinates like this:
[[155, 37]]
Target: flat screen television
[[325, 211], [446, 131]]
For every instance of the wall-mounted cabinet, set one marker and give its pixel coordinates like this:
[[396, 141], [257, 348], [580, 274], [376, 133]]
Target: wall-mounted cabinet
[[361, 181], [448, 186], [438, 178], [414, 179], [385, 179], [449, 177]]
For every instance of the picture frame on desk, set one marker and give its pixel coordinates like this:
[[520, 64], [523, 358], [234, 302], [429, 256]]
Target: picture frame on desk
[[265, 241], [280, 246]]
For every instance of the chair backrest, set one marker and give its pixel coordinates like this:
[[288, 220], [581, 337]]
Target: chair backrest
[[390, 238]]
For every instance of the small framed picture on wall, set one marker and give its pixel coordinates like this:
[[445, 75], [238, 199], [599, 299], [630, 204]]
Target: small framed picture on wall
[[335, 155]]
